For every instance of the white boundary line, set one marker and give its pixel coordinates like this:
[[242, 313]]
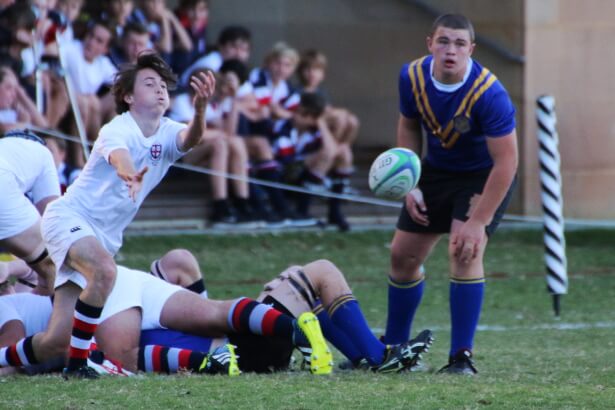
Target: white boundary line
[[530, 328]]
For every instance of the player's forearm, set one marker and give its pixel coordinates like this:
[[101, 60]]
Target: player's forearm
[[195, 131], [121, 161], [496, 187], [409, 135]]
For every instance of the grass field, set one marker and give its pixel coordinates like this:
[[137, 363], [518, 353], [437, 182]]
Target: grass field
[[526, 358]]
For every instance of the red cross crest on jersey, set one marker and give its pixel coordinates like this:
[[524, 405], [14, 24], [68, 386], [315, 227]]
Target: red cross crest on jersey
[[155, 151]]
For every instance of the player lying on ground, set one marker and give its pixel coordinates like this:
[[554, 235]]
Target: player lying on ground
[[318, 286], [141, 301]]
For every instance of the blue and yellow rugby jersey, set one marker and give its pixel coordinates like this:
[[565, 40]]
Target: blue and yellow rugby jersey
[[457, 122]]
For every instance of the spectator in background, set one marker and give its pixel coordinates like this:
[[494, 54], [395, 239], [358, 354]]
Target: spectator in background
[[118, 13], [220, 149], [91, 72], [67, 174], [234, 43], [305, 147], [166, 32], [275, 100], [343, 124], [193, 15], [16, 24], [135, 39], [16, 108]]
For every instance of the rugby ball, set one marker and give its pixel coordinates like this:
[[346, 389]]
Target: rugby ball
[[394, 173]]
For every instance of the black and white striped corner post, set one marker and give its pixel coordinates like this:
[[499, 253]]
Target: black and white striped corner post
[[552, 206]]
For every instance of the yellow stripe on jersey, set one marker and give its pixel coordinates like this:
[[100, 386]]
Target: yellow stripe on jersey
[[480, 92], [462, 106], [417, 92], [430, 114]]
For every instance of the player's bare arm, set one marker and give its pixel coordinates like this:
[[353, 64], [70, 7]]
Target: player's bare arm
[[503, 151], [203, 86], [121, 161], [409, 136]]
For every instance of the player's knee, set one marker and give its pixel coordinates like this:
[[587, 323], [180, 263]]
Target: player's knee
[[184, 264], [404, 265], [325, 266], [103, 278]]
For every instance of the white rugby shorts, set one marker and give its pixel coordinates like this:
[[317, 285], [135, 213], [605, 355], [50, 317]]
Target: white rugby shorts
[[17, 213], [138, 289]]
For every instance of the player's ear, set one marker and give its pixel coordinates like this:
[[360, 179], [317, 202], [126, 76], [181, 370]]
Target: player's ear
[[472, 48], [128, 99], [429, 42]]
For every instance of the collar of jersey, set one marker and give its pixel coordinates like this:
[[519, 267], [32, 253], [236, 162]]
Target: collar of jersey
[[449, 88]]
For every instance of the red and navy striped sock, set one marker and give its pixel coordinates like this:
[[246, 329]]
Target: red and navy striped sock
[[160, 359], [19, 354], [84, 325], [248, 316]]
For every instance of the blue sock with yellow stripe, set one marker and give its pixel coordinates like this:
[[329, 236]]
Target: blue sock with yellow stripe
[[466, 299], [336, 336], [404, 300], [346, 314]]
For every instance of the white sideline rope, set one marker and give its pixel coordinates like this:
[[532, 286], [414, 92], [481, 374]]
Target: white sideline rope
[[350, 198]]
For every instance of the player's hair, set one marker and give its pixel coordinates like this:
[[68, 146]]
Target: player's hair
[[124, 83], [134, 27], [310, 58], [312, 104], [230, 34], [280, 50], [235, 66], [454, 21]]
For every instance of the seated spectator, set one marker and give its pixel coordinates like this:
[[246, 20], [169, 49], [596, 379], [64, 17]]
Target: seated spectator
[[311, 72], [275, 99], [220, 149], [193, 15], [16, 25], [305, 147], [67, 174], [166, 32], [17, 110], [118, 13], [234, 43], [135, 39], [344, 125], [91, 72]]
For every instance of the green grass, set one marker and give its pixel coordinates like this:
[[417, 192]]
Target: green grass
[[524, 360]]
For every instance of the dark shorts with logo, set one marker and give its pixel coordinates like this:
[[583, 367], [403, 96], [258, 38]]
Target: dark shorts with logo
[[448, 195], [263, 354]]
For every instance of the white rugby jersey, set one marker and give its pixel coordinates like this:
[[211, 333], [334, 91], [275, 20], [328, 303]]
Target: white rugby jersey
[[33, 311], [32, 166], [99, 195]]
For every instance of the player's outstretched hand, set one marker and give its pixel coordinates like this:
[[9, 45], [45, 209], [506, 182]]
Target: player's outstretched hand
[[204, 85], [415, 204], [134, 183]]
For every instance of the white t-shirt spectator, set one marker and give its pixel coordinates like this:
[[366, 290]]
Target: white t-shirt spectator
[[87, 77]]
